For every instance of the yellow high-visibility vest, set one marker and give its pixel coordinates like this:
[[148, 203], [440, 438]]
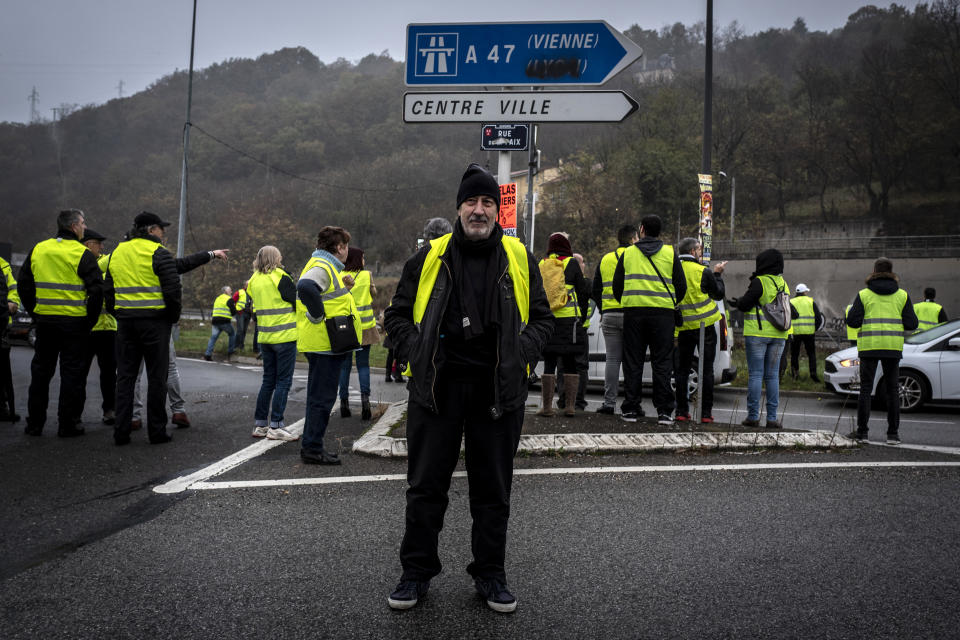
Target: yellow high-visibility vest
[[105, 322], [608, 264], [361, 293], [928, 313], [337, 303], [771, 285], [642, 287], [696, 306], [135, 283], [805, 324], [276, 320], [60, 291], [220, 307], [882, 328]]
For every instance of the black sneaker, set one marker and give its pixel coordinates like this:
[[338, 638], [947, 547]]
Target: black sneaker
[[749, 422], [207, 358], [407, 594], [496, 594], [629, 416], [606, 410], [893, 438], [857, 436], [664, 419]]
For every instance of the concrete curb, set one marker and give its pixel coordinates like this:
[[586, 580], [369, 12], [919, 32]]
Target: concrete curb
[[376, 441]]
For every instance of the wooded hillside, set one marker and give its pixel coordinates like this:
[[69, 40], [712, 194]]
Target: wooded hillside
[[860, 122]]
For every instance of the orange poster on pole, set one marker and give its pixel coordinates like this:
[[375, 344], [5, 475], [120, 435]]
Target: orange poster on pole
[[508, 208]]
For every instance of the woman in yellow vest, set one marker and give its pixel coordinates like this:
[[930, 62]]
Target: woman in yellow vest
[[883, 313], [363, 291], [764, 343], [324, 305], [11, 305], [274, 295], [568, 336]]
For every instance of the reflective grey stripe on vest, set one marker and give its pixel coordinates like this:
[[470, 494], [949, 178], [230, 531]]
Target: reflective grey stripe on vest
[[931, 323], [278, 327], [698, 305], [570, 302], [336, 293], [700, 316], [138, 290], [366, 307], [59, 285], [58, 301], [645, 292], [273, 312], [894, 334], [608, 296], [643, 276], [882, 320], [12, 287], [123, 304]]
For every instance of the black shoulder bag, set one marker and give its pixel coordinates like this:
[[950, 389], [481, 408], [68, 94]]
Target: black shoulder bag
[[677, 314], [340, 331]]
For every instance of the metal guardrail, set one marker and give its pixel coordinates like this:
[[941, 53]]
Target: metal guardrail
[[842, 247]]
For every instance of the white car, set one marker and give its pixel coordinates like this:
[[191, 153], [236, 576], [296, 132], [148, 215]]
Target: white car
[[724, 371], [929, 370]]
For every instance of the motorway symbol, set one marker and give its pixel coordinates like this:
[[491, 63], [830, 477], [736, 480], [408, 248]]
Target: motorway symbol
[[516, 53], [528, 106]]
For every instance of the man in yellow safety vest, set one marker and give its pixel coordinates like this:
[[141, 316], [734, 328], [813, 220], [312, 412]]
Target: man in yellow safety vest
[[469, 316], [62, 288], [805, 326], [883, 313], [221, 321], [929, 313], [649, 283]]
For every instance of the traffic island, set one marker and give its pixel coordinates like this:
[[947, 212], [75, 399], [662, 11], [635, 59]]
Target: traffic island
[[600, 433]]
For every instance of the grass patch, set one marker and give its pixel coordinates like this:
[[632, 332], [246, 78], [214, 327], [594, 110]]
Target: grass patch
[[787, 383], [195, 334]]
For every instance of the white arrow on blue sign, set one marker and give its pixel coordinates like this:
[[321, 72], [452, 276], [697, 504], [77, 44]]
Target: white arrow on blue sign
[[516, 53]]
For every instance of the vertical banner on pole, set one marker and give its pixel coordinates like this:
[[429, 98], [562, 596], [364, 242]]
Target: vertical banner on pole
[[508, 208], [706, 214]]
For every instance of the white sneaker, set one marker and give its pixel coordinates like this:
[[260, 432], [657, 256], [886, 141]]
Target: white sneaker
[[281, 434], [259, 432]]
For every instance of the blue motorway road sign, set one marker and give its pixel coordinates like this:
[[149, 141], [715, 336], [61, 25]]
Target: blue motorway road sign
[[516, 53]]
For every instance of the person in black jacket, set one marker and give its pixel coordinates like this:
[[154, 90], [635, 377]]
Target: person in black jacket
[[458, 319], [60, 335], [143, 330]]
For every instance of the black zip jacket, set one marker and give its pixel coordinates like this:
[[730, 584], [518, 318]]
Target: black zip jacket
[[882, 284], [649, 246], [420, 345], [167, 269], [92, 278]]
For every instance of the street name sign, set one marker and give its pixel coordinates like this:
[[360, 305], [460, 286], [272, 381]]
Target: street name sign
[[528, 106], [516, 53], [504, 137]]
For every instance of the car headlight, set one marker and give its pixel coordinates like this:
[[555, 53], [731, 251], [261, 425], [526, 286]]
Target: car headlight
[[852, 362]]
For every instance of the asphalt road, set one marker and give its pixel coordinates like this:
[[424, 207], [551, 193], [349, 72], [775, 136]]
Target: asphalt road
[[699, 545]]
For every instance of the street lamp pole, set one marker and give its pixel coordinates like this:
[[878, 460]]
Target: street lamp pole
[[733, 201], [186, 141]]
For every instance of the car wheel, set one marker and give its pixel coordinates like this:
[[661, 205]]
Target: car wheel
[[914, 391], [32, 337]]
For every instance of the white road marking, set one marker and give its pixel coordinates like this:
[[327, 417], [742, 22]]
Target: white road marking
[[257, 448], [954, 451], [292, 482]]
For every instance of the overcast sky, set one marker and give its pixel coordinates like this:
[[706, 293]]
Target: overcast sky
[[80, 52]]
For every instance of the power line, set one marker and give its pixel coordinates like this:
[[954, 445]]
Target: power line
[[299, 177]]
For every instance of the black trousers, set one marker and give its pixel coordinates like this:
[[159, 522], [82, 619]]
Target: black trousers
[[889, 387], [68, 347], [641, 332], [809, 343], [6, 381], [687, 343], [142, 340], [243, 321], [433, 443], [102, 345]]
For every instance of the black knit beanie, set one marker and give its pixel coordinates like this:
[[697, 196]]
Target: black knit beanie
[[477, 181]]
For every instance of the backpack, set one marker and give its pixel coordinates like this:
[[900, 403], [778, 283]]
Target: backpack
[[778, 311], [554, 282]]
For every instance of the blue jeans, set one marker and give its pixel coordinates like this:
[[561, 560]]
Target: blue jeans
[[322, 380], [227, 328], [763, 365], [363, 372], [278, 363]]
